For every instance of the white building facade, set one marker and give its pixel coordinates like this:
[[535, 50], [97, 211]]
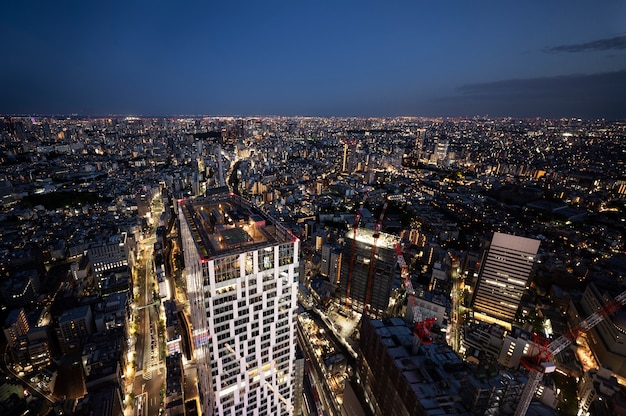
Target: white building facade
[[242, 281], [109, 254]]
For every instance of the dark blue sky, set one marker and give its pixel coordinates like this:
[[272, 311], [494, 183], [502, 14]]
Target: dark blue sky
[[327, 58]]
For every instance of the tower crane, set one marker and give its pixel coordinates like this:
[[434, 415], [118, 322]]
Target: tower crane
[[404, 270], [370, 275], [540, 364], [423, 329], [408, 286], [355, 227]]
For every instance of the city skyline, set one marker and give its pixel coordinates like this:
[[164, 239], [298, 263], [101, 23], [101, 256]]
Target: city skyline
[[351, 59], [167, 265]]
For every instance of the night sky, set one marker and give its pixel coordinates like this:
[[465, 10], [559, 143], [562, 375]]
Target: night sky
[[314, 58]]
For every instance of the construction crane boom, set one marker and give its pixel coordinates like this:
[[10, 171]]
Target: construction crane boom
[[541, 364], [316, 396], [370, 275], [408, 286], [404, 270]]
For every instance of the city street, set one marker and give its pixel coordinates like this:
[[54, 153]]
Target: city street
[[323, 382], [149, 379]]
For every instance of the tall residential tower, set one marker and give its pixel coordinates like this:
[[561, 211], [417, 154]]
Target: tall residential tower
[[242, 278]]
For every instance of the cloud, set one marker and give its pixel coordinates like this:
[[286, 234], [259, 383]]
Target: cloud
[[562, 84], [598, 95], [618, 42]]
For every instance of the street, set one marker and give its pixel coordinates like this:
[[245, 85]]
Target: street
[[329, 400], [148, 387]]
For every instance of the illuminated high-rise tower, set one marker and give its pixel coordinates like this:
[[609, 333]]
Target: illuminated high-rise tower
[[441, 150], [364, 285], [504, 277], [242, 278], [344, 164], [419, 143], [348, 163]]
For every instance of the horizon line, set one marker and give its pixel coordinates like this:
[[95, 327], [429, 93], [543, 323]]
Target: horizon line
[[240, 116]]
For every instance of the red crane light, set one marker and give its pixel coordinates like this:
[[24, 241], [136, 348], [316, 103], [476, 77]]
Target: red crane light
[[423, 329]]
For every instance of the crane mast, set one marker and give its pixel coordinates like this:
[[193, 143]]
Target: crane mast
[[370, 275], [404, 271], [541, 364]]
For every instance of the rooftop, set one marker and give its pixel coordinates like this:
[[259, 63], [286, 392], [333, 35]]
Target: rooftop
[[434, 375], [366, 236], [225, 223], [73, 314]]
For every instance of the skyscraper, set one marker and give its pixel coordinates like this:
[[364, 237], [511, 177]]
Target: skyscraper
[[348, 161], [74, 328], [368, 285], [606, 340], [242, 278], [441, 150], [503, 278], [15, 326], [419, 143]]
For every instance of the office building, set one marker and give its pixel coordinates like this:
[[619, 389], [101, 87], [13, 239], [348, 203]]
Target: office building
[[494, 392], [326, 249], [74, 328], [441, 150], [348, 160], [599, 392], [606, 340], [344, 164], [242, 279], [368, 288], [109, 254], [331, 262], [503, 278], [515, 345], [174, 386], [15, 326], [402, 376], [482, 342], [419, 143]]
